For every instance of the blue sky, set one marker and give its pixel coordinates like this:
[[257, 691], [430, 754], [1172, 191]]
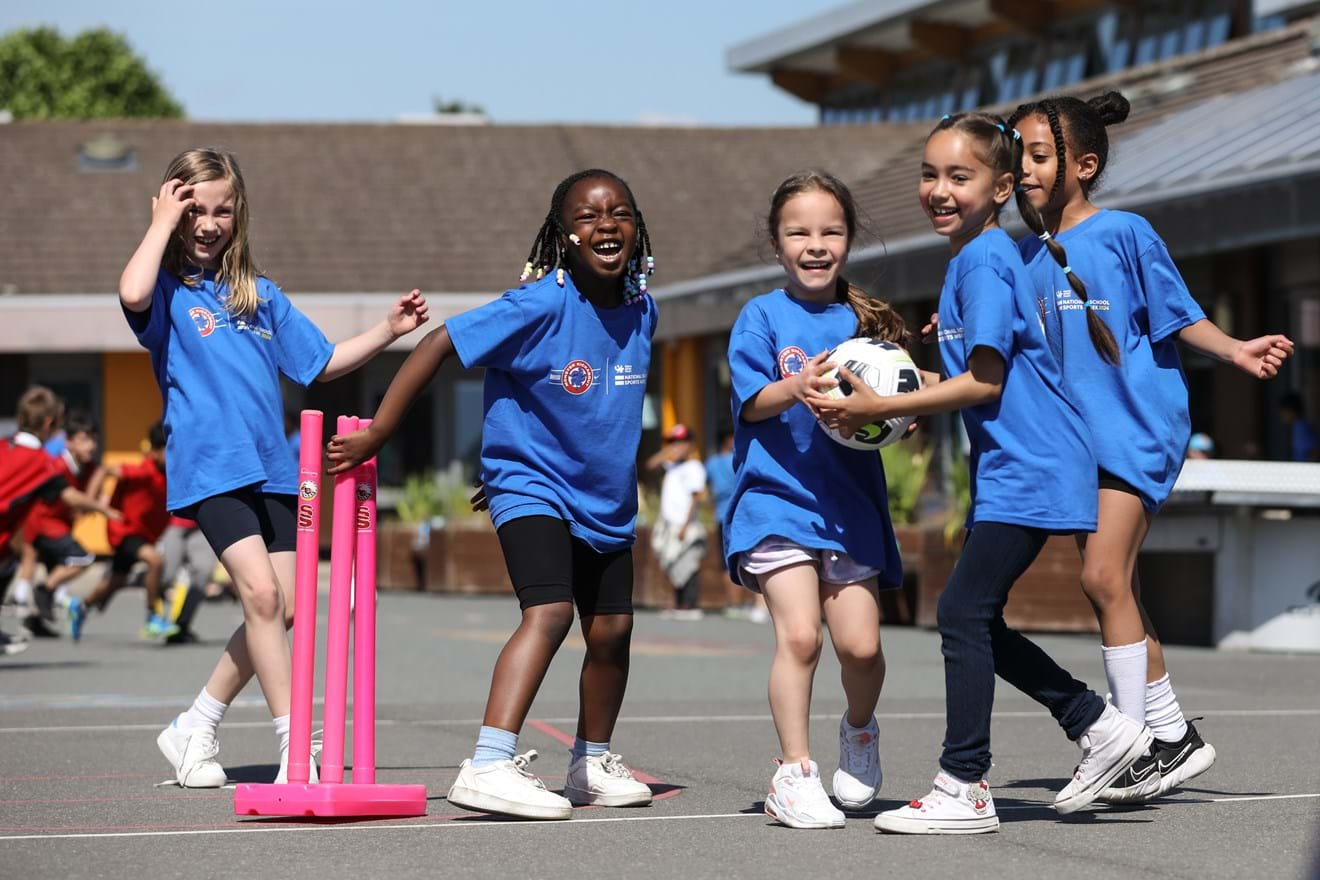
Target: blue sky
[[524, 61]]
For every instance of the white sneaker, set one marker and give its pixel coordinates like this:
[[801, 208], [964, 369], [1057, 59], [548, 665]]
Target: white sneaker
[[191, 752], [313, 772], [604, 781], [506, 787], [797, 798], [952, 807], [858, 779], [1109, 746]]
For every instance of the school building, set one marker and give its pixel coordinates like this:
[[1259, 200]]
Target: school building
[[1221, 153]]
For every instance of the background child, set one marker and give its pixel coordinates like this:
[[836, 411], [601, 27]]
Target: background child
[[188, 563], [1137, 410], [220, 335], [139, 495], [558, 461], [997, 343], [679, 536], [49, 529], [809, 524]]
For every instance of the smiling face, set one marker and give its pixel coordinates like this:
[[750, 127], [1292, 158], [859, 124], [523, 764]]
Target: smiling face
[[812, 243], [1040, 168], [960, 193], [208, 227], [599, 211]]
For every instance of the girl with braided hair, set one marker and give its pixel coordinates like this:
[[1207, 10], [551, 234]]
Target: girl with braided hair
[[1032, 475], [566, 359], [1131, 392]]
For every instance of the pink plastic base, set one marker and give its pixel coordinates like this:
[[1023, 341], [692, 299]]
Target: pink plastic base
[[329, 799]]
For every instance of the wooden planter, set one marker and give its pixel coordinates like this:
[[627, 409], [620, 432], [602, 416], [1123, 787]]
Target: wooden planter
[[397, 565], [466, 558]]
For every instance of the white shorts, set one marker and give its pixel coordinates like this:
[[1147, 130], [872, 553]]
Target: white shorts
[[774, 553]]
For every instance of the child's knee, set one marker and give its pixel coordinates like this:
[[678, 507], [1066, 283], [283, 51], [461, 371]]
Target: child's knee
[[609, 634], [262, 600], [552, 620], [1105, 583], [861, 653], [801, 641]]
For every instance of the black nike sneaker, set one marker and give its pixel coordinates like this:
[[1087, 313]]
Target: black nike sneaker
[[1166, 766], [39, 628]]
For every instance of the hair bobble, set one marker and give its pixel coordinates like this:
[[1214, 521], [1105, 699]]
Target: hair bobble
[[1000, 126], [1017, 135], [1067, 270], [945, 118], [1045, 236]]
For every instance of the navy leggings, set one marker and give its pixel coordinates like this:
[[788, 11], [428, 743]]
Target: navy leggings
[[977, 645]]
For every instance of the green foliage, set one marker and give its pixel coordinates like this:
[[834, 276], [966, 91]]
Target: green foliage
[[442, 106], [95, 75], [960, 481], [429, 496], [906, 467]]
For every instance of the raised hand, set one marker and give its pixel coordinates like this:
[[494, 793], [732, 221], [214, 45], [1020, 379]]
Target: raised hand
[[348, 452], [409, 313], [172, 203], [1261, 357]]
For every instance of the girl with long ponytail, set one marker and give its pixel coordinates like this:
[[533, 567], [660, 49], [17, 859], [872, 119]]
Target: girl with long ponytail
[[1131, 392]]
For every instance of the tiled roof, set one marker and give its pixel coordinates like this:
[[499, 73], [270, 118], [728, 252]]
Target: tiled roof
[[390, 207]]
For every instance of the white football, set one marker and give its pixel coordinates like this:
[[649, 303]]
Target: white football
[[887, 368]]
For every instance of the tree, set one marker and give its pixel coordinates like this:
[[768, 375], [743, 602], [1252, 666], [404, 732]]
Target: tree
[[444, 107], [94, 75]]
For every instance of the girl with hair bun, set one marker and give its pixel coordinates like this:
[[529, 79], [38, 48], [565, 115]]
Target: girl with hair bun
[[1131, 391]]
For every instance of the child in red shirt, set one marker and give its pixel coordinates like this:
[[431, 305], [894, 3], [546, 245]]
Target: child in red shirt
[[48, 531], [28, 474], [140, 497]]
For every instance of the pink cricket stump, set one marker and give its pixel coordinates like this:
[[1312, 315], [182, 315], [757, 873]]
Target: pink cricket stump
[[354, 538]]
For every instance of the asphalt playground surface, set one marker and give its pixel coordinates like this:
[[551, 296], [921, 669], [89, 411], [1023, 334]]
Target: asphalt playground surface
[[79, 766]]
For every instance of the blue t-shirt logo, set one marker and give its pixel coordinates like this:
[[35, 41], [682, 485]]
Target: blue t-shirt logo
[[204, 320], [576, 378], [792, 360]]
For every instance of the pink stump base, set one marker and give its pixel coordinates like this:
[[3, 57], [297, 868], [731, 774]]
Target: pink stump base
[[329, 799]]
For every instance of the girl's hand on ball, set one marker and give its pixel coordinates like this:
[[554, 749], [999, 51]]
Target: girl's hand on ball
[[848, 414], [811, 384], [348, 452]]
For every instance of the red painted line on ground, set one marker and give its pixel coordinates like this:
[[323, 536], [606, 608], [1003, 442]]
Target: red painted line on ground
[[640, 775]]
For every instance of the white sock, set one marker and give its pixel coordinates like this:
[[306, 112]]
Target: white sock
[[282, 731], [1164, 716], [22, 592], [205, 712], [1125, 668], [62, 596], [850, 731]]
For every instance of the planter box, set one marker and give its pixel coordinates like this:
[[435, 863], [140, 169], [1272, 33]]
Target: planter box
[[1047, 598], [397, 565], [469, 560]]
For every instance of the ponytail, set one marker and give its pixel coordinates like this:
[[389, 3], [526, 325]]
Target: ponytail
[[876, 318], [1102, 338]]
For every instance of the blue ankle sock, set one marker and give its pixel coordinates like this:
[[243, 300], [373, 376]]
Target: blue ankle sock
[[494, 744], [582, 747]]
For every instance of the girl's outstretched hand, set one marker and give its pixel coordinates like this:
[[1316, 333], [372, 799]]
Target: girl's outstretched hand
[[409, 313], [1261, 358], [848, 414], [348, 452], [173, 201]]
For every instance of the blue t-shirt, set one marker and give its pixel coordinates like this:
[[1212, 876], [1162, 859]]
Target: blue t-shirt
[[792, 479], [219, 377], [720, 481], [1031, 463], [1137, 411], [1304, 440], [565, 381]]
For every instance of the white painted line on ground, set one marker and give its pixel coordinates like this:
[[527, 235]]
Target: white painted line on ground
[[461, 823], [651, 719]]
